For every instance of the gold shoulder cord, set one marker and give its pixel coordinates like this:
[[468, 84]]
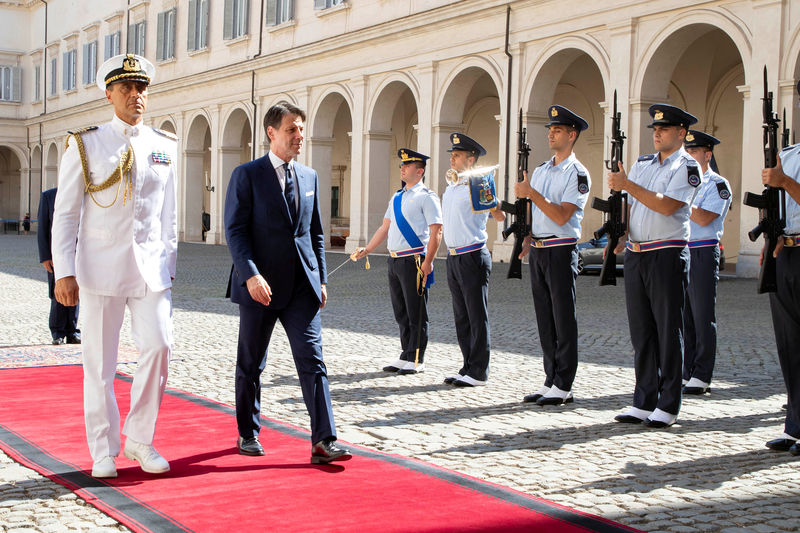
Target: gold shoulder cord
[[124, 168]]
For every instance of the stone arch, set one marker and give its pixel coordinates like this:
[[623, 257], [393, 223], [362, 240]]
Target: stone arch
[[330, 147], [706, 85], [51, 166], [198, 179], [168, 125], [572, 73], [235, 146], [12, 205]]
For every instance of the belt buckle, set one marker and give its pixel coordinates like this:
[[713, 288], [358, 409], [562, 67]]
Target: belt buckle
[[538, 243], [394, 254], [789, 241], [452, 251], [636, 247]]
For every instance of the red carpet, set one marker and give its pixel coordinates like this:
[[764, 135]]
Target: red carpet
[[213, 488]]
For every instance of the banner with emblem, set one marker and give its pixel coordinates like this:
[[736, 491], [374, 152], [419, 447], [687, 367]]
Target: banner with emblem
[[483, 192]]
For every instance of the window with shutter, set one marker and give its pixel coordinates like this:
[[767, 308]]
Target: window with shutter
[[53, 76], [160, 30], [37, 83], [16, 84]]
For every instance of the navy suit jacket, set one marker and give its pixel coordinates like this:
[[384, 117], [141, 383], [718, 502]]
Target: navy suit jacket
[[263, 240], [46, 205]]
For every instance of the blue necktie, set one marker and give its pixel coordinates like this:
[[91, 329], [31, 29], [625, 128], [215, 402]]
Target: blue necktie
[[288, 191]]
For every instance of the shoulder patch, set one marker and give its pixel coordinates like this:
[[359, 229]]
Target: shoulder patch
[[693, 172], [583, 183], [645, 157], [723, 190], [82, 130], [166, 134]]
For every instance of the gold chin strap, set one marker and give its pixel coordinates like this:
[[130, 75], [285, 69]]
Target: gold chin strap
[[123, 169]]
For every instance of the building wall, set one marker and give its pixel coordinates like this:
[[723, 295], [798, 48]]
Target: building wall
[[377, 75]]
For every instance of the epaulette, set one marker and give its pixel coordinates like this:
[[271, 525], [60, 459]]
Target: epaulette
[[645, 157], [166, 134], [789, 147], [82, 130]]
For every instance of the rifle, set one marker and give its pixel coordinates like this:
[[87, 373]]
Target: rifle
[[615, 208], [785, 132], [770, 203], [519, 209]]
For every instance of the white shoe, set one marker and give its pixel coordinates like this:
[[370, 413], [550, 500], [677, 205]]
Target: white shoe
[[147, 456], [394, 367], [533, 398], [555, 396], [104, 467], [661, 419], [466, 381], [634, 415], [409, 368]]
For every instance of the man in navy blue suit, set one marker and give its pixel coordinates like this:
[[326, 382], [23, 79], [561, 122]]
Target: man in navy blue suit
[[63, 318], [274, 232]]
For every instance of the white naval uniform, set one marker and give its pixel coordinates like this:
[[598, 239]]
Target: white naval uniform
[[125, 255]]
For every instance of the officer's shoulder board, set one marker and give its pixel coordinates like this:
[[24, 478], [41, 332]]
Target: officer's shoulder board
[[77, 134], [166, 134], [645, 157], [722, 189], [790, 147]]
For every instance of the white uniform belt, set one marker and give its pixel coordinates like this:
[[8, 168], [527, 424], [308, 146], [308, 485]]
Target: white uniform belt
[[553, 241], [649, 246], [466, 249], [410, 251], [703, 243], [791, 241]]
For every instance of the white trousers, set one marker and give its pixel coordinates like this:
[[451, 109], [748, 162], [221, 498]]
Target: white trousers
[[151, 327]]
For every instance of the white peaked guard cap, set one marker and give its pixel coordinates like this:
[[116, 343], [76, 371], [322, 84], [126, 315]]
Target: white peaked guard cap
[[125, 67]]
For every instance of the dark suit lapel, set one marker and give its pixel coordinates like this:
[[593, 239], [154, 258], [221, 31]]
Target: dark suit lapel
[[302, 186]]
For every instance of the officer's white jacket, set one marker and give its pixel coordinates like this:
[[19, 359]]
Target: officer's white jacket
[[122, 247]]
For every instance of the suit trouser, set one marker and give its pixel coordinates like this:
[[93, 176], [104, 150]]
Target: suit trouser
[[301, 321], [655, 285], [553, 273], [468, 278], [700, 319], [151, 327], [785, 307], [407, 307], [63, 321]]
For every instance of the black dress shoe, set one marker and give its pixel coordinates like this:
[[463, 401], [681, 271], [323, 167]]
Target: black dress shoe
[[795, 449], [326, 451], [554, 400], [532, 398], [656, 424], [75, 338], [696, 391], [59, 341], [249, 446], [390, 368], [628, 419], [785, 406], [783, 445]]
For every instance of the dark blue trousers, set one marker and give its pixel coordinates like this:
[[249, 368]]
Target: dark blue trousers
[[700, 317], [301, 321], [409, 311], [785, 306], [63, 320], [553, 273], [468, 278], [655, 284]]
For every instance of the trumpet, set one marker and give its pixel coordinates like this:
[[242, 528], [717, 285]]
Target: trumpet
[[455, 177]]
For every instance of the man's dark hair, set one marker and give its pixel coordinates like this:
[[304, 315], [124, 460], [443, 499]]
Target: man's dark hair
[[275, 114]]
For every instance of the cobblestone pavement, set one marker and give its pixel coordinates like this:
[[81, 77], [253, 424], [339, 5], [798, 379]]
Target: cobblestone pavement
[[709, 472]]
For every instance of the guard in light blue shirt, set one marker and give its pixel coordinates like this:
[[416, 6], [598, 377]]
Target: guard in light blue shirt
[[662, 186], [558, 191], [413, 226], [706, 225], [785, 301], [466, 204]]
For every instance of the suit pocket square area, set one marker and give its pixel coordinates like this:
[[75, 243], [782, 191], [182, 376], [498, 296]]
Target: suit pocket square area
[[309, 193]]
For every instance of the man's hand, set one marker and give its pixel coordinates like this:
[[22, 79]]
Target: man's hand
[[618, 181], [360, 253], [526, 247], [324, 293], [523, 189], [427, 268], [774, 177], [66, 291], [778, 248], [259, 289], [620, 245], [48, 265]]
